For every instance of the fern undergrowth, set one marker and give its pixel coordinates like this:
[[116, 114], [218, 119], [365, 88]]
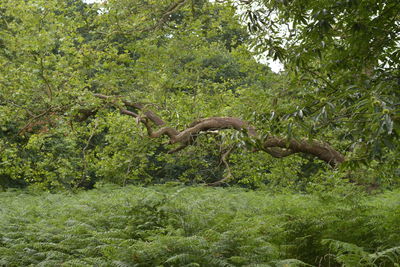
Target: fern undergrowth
[[197, 226]]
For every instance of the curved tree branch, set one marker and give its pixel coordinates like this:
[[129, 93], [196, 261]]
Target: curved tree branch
[[275, 146], [138, 106]]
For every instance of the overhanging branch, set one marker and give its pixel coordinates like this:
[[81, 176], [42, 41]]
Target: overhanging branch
[[275, 146]]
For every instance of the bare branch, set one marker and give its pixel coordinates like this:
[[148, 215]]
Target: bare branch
[[32, 120], [139, 106], [172, 9], [224, 160]]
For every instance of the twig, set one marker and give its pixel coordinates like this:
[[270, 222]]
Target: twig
[[84, 156], [33, 119], [224, 160]]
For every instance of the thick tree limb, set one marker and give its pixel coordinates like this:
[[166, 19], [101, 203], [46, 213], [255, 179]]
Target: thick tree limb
[[275, 146], [277, 152], [321, 150]]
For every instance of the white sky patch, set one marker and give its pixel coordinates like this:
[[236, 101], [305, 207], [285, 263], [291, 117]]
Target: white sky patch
[[275, 65], [263, 58]]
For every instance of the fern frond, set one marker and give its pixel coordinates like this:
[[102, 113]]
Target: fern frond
[[180, 258], [391, 254], [289, 262]]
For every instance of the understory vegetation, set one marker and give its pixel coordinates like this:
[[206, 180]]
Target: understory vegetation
[[171, 225]]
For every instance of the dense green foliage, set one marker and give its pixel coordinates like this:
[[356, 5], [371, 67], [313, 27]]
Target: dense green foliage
[[343, 61], [198, 226], [188, 60], [197, 68]]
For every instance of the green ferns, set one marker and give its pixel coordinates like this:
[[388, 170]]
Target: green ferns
[[351, 255], [197, 226]]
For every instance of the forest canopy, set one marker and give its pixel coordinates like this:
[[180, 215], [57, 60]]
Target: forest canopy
[[85, 87]]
